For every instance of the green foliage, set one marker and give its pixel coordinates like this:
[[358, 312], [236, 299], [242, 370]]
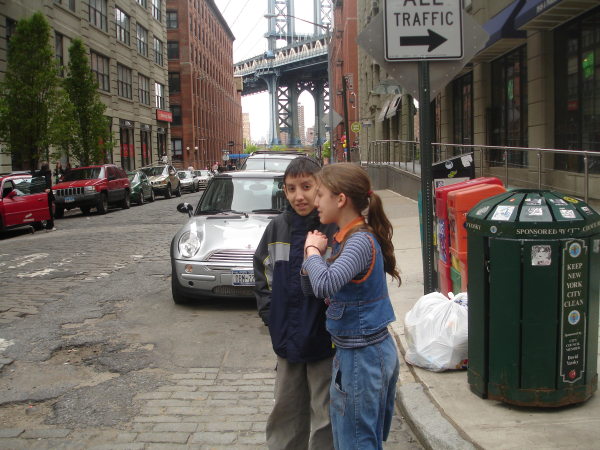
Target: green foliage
[[327, 149], [251, 148], [90, 139], [278, 148], [32, 107]]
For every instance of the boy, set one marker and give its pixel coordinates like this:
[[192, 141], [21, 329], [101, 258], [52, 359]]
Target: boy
[[300, 417]]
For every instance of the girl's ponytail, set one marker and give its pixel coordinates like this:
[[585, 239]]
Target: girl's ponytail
[[383, 231]]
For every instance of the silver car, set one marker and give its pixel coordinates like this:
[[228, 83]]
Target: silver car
[[211, 255], [202, 176], [188, 182]]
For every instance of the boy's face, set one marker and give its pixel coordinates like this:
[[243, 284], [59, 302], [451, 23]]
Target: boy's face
[[300, 192]]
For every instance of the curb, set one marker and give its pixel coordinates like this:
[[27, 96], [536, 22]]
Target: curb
[[434, 431]]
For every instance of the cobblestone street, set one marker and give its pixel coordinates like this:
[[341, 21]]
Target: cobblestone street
[[94, 354]]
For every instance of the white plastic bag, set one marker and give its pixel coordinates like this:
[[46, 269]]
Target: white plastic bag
[[437, 332]]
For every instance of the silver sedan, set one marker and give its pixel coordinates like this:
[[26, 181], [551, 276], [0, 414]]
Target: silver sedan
[[211, 255]]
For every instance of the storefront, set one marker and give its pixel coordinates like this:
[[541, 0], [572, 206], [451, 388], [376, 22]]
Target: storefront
[[163, 118], [126, 129], [146, 144]]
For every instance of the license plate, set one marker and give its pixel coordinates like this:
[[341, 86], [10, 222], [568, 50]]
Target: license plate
[[69, 199], [243, 278]]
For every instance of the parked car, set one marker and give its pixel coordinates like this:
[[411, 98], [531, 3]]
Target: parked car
[[141, 189], [270, 160], [90, 187], [202, 176], [164, 180], [211, 255], [188, 183], [23, 202]]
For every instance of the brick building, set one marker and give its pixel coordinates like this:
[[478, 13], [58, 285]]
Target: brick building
[[205, 97], [344, 62], [126, 42], [246, 125]]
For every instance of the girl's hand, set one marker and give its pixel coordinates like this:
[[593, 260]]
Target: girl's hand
[[316, 239]]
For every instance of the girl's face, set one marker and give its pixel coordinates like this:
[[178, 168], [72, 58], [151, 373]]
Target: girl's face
[[328, 205]]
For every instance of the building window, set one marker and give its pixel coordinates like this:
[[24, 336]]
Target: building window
[[142, 40], [158, 52], [156, 9], [462, 100], [100, 68], [172, 19], [122, 21], [577, 92], [11, 30], [144, 89], [124, 81], [72, 5], [159, 94], [173, 49], [509, 107], [127, 149], [177, 149], [176, 111], [161, 144], [142, 3], [98, 13], [58, 43], [146, 146], [174, 83]]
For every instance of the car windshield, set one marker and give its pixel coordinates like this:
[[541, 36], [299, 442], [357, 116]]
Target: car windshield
[[153, 171], [183, 175], [89, 173], [133, 177], [277, 165], [244, 195], [26, 186], [203, 173]]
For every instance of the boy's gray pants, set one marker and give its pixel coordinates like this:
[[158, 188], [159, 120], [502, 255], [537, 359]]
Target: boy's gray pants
[[300, 418]]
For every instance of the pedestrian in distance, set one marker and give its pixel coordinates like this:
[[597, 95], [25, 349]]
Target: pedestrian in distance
[[67, 169], [190, 167], [46, 173], [58, 173], [366, 364], [164, 159], [300, 416]]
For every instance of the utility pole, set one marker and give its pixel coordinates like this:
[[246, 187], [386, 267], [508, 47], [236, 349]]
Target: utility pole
[[346, 128]]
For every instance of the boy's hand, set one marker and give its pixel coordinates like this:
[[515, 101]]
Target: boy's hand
[[316, 239]]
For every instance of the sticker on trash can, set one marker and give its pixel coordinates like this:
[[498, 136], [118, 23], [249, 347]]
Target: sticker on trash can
[[503, 212], [535, 211], [482, 211], [567, 213], [575, 250], [541, 255], [449, 165], [572, 200], [466, 160], [493, 229], [533, 201], [574, 317], [558, 201], [596, 245], [587, 210]]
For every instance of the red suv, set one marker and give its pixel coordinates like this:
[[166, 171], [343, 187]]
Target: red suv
[[92, 187]]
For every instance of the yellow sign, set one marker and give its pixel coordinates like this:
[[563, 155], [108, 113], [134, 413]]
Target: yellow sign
[[355, 127], [571, 199]]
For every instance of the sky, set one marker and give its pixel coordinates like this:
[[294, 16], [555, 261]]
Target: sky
[[246, 20]]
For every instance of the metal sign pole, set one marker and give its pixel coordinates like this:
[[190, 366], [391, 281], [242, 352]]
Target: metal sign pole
[[426, 176]]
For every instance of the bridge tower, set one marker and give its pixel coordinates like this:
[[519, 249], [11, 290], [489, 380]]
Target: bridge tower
[[283, 100]]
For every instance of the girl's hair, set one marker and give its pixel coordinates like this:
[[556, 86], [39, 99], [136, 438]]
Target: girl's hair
[[351, 180]]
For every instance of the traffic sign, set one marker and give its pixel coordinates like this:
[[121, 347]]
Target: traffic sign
[[230, 143], [225, 157], [423, 30], [355, 127]]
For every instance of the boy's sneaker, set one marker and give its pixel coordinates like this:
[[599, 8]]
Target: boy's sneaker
[[51, 229]]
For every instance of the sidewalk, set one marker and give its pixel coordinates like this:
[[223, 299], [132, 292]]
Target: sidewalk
[[440, 407]]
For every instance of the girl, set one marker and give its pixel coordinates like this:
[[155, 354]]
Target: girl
[[366, 365], [58, 173]]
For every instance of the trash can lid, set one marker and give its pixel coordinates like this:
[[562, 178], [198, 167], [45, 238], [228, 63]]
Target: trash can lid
[[530, 213]]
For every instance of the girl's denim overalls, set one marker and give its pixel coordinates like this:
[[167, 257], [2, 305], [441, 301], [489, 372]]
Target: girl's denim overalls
[[364, 377]]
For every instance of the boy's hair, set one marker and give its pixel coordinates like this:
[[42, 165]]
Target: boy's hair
[[302, 166]]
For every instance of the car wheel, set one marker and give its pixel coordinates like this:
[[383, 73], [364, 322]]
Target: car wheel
[[168, 194], [102, 207], [85, 210], [141, 200], [178, 191], [39, 226], [152, 195], [59, 213], [126, 202], [178, 297]]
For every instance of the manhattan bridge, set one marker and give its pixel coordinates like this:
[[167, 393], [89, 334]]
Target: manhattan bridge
[[287, 71]]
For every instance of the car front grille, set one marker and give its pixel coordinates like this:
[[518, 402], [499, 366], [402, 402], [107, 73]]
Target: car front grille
[[234, 290], [232, 256], [68, 191]]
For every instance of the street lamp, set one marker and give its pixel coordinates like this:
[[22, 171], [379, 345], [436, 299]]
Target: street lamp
[[325, 27]]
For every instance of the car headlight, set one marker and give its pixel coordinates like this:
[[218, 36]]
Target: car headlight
[[88, 189], [189, 244]]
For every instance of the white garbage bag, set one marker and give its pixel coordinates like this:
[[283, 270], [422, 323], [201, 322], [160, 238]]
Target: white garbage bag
[[437, 332]]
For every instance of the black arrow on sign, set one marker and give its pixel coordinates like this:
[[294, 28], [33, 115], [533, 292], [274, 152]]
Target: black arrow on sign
[[434, 40]]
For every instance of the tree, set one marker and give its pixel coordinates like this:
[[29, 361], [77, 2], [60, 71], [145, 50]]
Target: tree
[[251, 148], [32, 107], [278, 148], [327, 150], [91, 138]]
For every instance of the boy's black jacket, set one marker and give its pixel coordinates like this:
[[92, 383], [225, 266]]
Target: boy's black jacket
[[296, 322]]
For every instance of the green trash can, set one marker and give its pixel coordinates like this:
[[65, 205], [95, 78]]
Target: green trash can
[[534, 275]]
